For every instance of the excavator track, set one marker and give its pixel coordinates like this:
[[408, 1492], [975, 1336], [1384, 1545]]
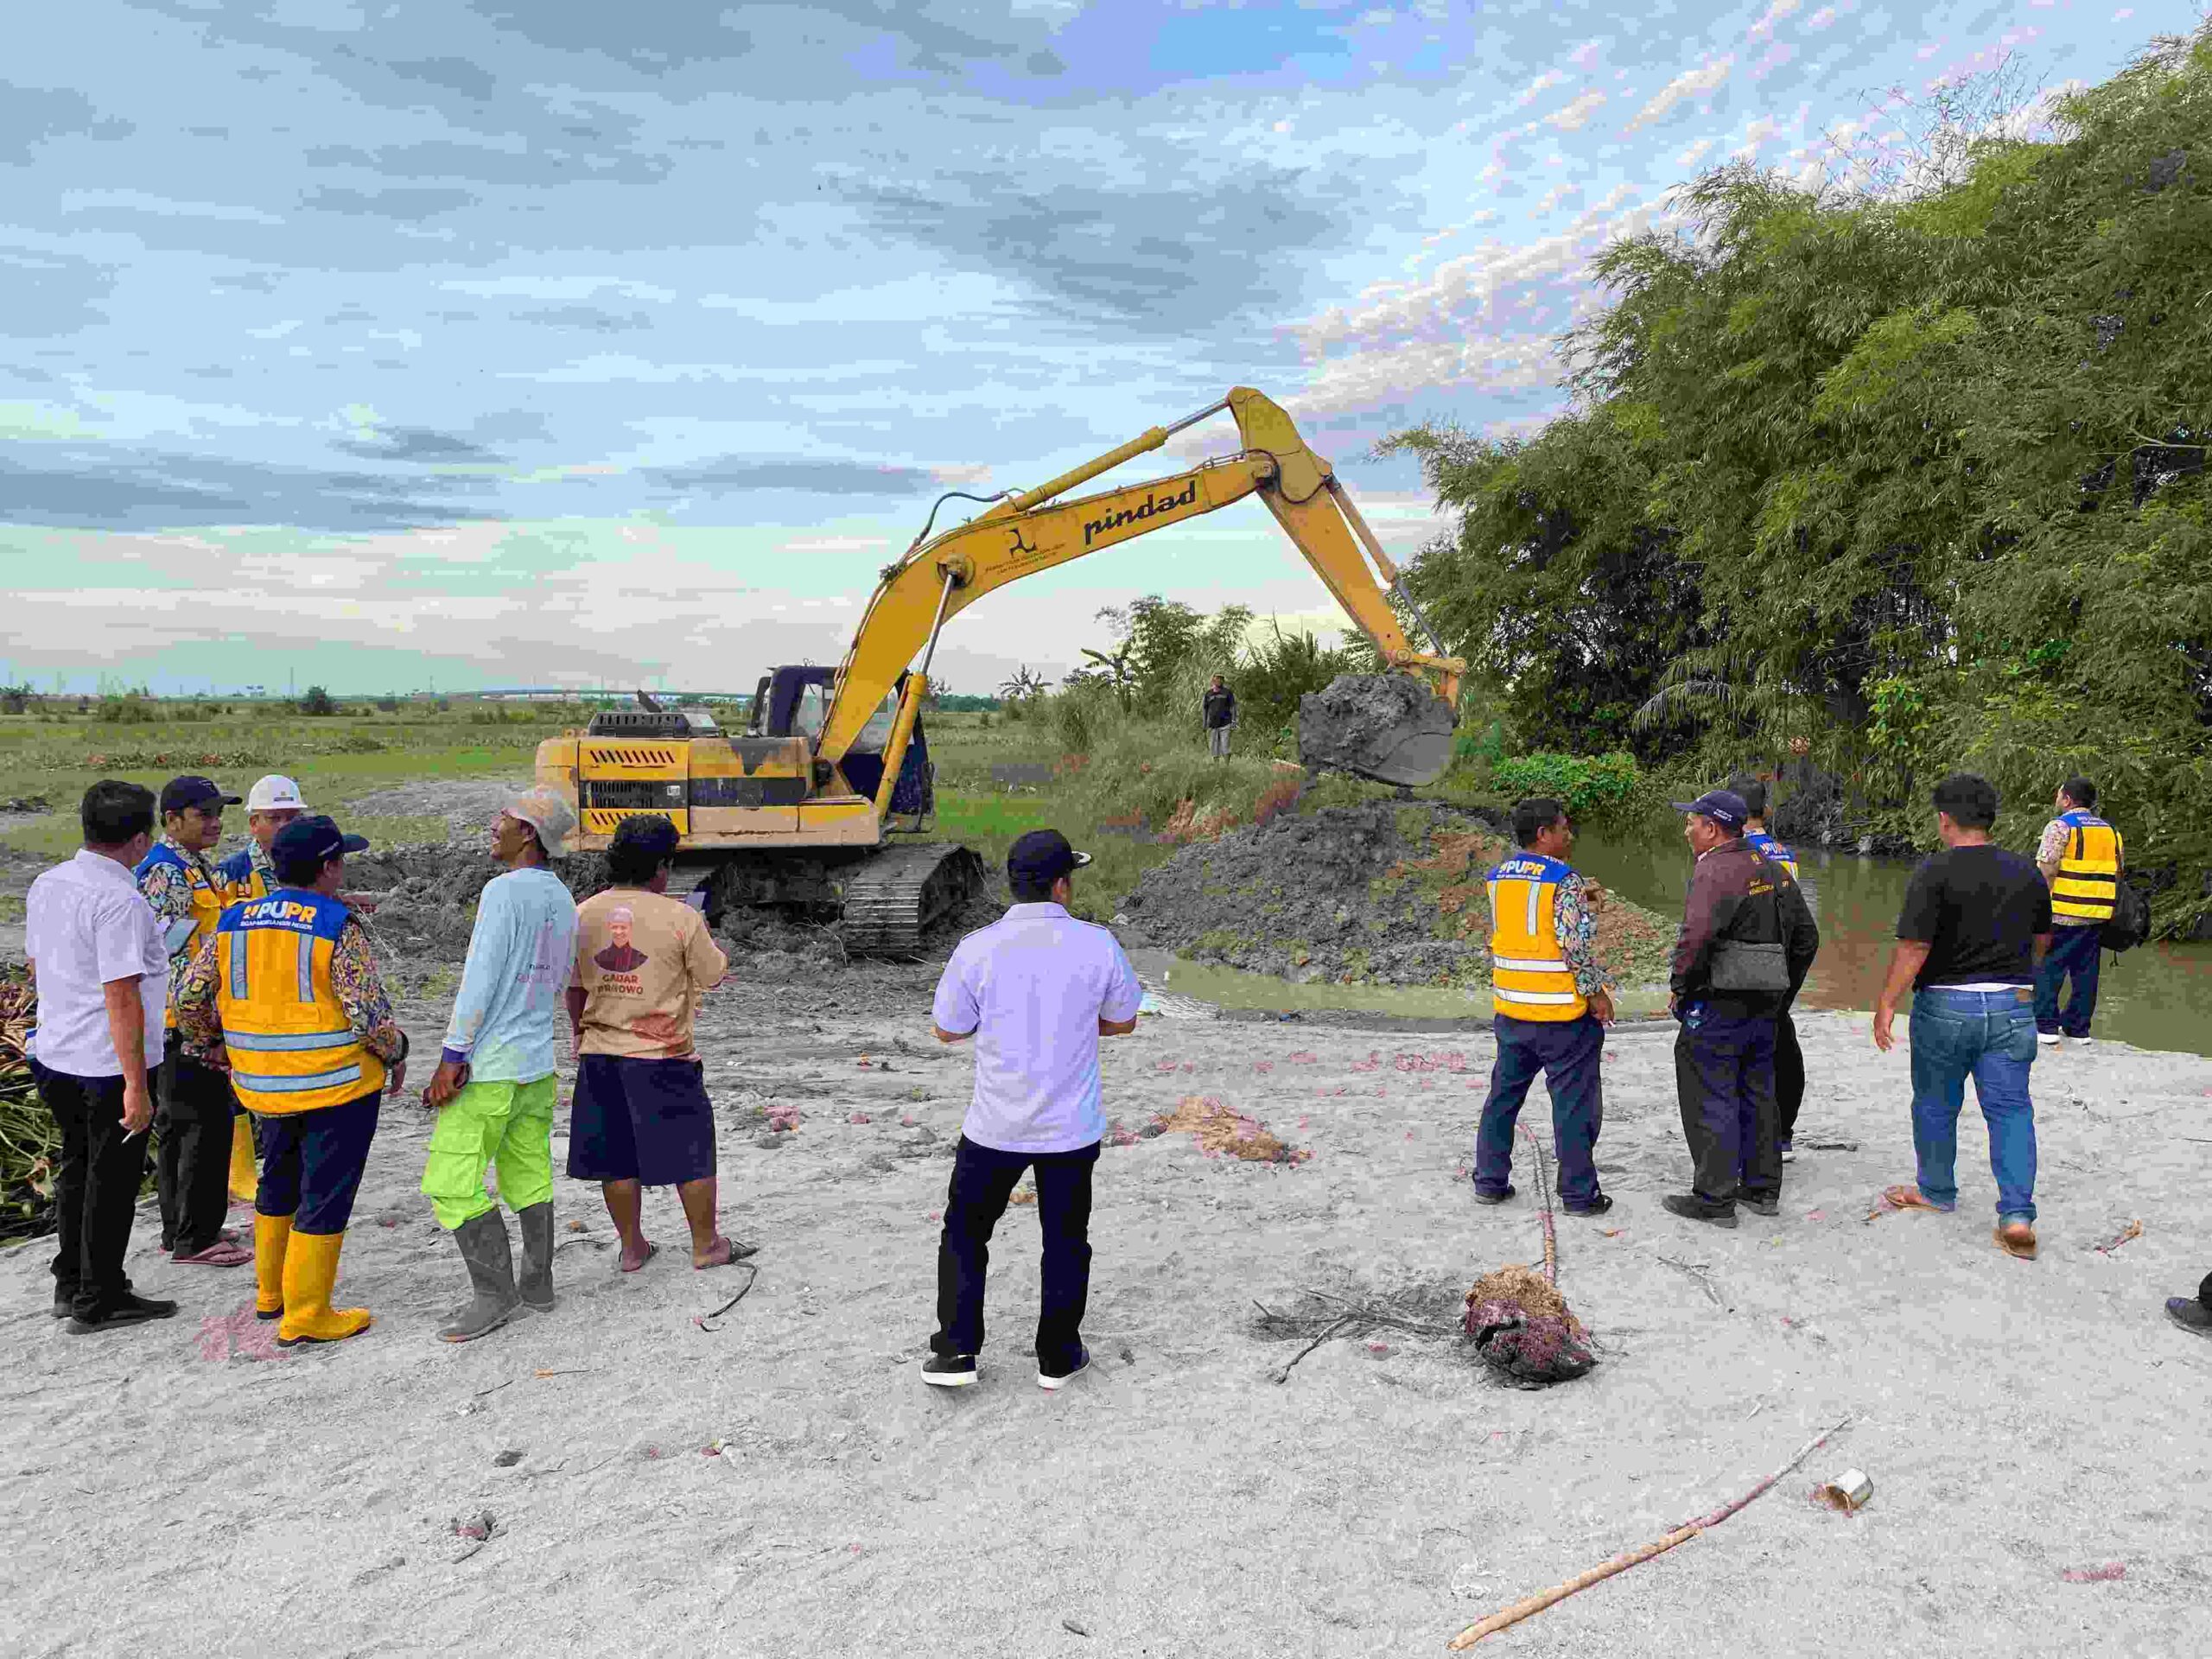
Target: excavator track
[[898, 895]]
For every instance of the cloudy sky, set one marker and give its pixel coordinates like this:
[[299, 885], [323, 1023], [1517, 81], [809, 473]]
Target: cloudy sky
[[501, 342]]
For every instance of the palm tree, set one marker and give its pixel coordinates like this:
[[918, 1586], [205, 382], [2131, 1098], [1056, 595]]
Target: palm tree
[[1023, 685]]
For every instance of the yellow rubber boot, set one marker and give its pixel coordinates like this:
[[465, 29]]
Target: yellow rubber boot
[[245, 1179], [270, 1233], [310, 1273]]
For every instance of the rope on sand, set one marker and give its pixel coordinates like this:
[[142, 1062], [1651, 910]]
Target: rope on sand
[[1537, 1604], [1544, 1205]]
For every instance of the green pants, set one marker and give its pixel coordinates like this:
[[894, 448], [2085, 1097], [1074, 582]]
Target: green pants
[[509, 1124]]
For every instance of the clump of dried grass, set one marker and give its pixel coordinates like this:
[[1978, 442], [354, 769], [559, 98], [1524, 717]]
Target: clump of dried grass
[[1219, 1128]]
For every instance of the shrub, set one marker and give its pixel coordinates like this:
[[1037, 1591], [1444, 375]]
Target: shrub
[[1602, 786]]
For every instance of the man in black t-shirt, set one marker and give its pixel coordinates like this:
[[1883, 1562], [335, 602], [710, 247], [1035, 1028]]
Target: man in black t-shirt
[[1975, 923], [1219, 709]]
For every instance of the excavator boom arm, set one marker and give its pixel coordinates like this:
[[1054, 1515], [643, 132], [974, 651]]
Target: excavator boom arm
[[1033, 531]]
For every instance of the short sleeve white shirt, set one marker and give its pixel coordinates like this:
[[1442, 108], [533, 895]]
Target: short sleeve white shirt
[[1032, 988], [86, 924]]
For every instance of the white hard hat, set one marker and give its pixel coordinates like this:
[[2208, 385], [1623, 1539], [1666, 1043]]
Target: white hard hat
[[275, 794]]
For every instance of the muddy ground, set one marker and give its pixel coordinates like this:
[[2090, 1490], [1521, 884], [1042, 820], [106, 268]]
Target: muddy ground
[[190, 1488]]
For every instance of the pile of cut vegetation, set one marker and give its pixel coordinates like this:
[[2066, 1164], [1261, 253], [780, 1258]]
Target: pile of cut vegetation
[[1385, 894]]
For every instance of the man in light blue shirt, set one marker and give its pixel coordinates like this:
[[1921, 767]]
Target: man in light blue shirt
[[495, 1088], [1036, 989]]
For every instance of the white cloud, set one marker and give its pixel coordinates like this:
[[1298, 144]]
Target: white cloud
[[959, 473], [1584, 56], [837, 544], [1400, 373], [1822, 18], [1577, 114], [1700, 82], [1756, 136], [1775, 11], [1693, 154], [1536, 88]]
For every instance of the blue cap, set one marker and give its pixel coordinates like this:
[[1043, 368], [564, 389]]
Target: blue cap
[[1043, 856], [315, 840], [1723, 806]]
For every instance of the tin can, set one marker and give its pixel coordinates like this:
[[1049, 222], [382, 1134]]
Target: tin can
[[1848, 1492]]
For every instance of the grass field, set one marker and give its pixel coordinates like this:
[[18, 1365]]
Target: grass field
[[334, 760]]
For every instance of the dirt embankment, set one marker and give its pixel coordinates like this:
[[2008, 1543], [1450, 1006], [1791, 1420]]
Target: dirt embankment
[[1380, 894]]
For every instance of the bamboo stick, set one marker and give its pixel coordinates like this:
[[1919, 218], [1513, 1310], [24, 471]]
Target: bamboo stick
[[1537, 1604], [1544, 1198]]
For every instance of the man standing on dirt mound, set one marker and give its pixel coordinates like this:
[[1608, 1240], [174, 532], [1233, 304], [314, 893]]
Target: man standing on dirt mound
[[494, 1088], [641, 1116], [288, 993], [1036, 990], [1746, 940], [1551, 1001]]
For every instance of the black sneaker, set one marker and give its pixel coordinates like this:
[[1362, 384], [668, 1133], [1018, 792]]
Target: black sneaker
[[2190, 1314], [1596, 1206], [1690, 1207], [133, 1309], [949, 1371], [1049, 1380], [1482, 1197], [65, 1304], [1762, 1203]]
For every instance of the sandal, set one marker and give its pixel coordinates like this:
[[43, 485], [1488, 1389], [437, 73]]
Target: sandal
[[218, 1255], [2016, 1238], [1908, 1198], [723, 1252]]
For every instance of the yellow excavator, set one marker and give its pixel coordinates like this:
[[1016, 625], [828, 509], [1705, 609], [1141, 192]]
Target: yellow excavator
[[799, 808]]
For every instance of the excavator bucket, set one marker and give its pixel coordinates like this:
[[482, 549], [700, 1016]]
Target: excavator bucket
[[1390, 728]]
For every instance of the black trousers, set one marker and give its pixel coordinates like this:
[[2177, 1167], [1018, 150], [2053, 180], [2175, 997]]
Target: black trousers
[[1724, 1075], [1788, 1077], [193, 1111], [983, 1180], [95, 1191]]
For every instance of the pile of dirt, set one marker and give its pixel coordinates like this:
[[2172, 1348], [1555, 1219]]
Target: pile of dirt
[[421, 901], [1372, 894], [467, 805]]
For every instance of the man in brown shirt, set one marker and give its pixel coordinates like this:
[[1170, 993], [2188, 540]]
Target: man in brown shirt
[[1746, 942], [641, 1116]]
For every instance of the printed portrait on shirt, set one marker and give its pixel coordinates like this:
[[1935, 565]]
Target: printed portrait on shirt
[[622, 957]]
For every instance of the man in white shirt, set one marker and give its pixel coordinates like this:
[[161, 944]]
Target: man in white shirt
[[100, 966], [1036, 990]]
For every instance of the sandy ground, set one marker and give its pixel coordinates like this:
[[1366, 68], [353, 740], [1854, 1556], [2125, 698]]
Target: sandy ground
[[183, 1488]]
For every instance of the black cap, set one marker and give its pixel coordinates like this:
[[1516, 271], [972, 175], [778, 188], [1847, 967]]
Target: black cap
[[1724, 807], [653, 833], [181, 793], [311, 841], [1042, 857]]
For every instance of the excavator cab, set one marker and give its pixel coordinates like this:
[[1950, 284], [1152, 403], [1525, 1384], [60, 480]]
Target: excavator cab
[[794, 701]]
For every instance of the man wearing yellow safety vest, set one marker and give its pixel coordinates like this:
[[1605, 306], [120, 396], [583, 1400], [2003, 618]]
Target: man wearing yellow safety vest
[[271, 804], [194, 1110], [287, 994], [2081, 856], [1549, 997]]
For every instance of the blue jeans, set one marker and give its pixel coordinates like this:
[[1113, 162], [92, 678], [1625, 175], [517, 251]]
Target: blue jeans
[[1566, 1053], [1991, 1037], [2078, 951]]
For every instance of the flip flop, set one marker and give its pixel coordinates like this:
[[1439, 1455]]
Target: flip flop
[[2017, 1240], [218, 1255], [1906, 1197], [651, 1250], [723, 1252]]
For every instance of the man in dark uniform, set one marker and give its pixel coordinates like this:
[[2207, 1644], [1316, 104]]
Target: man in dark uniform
[[1747, 940]]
